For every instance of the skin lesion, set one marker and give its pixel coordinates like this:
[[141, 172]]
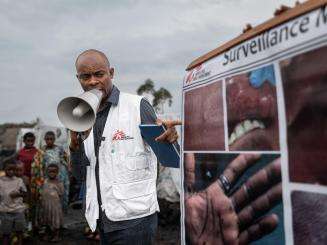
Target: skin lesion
[[252, 114]]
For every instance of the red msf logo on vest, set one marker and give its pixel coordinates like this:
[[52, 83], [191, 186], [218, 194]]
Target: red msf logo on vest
[[120, 135]]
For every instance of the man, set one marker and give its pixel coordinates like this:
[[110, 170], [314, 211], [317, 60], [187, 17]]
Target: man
[[121, 195]]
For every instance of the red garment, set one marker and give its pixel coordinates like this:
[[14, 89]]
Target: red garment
[[27, 156]]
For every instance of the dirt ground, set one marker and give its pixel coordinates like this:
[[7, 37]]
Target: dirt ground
[[74, 223]]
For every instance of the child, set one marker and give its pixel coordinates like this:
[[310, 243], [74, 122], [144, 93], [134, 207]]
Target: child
[[26, 154], [19, 173], [12, 217], [52, 213]]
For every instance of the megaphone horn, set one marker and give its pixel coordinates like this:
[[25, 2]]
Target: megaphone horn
[[78, 113]]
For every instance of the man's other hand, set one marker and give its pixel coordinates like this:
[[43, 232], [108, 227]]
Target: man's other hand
[[170, 134]]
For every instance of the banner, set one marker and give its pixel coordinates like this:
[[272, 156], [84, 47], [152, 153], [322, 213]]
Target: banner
[[254, 140]]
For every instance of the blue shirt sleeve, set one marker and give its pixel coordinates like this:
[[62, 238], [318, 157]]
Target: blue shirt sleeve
[[148, 115]]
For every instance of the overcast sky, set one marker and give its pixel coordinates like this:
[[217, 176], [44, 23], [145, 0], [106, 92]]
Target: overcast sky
[[39, 41]]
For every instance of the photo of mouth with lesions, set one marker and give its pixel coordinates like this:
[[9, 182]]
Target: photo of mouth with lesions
[[304, 80], [252, 111]]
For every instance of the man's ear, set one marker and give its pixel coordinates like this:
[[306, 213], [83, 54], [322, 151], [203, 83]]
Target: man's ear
[[111, 72]]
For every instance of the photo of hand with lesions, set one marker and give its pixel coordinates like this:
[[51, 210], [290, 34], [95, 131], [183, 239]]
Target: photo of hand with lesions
[[233, 199], [252, 111], [204, 118], [304, 79]]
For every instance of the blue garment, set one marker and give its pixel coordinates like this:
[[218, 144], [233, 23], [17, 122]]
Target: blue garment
[[261, 75], [82, 191]]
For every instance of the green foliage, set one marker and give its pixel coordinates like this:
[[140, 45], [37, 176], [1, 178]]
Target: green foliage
[[160, 96], [147, 87]]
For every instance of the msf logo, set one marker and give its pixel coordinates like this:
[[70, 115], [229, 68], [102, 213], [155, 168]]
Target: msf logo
[[196, 73], [191, 74], [120, 135]]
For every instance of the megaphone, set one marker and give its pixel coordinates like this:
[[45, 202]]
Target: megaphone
[[78, 113]]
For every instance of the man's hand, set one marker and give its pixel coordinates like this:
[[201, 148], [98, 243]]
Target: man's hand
[[171, 134], [213, 217], [74, 144], [75, 139]]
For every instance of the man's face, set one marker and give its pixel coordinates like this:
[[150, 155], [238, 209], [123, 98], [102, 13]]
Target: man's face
[[93, 71], [29, 142]]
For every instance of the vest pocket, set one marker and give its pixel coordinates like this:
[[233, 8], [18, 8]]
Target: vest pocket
[[131, 200], [133, 190], [132, 168]]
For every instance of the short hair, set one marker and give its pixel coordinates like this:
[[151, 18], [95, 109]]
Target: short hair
[[50, 133], [93, 51], [28, 135], [53, 165], [10, 165], [18, 162]]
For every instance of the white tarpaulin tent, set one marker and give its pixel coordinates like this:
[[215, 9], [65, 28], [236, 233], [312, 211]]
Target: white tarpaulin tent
[[39, 130]]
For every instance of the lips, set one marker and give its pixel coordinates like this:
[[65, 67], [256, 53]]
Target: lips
[[306, 113], [252, 115], [307, 140]]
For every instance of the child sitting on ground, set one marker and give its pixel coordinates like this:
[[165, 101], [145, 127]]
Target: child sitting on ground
[[51, 207], [12, 207]]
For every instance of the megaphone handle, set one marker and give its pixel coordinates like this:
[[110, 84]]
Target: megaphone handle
[[80, 138]]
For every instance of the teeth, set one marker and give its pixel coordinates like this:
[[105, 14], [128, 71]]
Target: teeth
[[232, 138], [243, 128], [239, 130], [247, 125], [262, 126], [256, 124]]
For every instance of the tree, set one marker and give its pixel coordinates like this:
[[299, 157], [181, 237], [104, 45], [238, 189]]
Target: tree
[[147, 87], [160, 96]]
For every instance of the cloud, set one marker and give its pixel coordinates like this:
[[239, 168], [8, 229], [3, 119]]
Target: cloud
[[143, 39]]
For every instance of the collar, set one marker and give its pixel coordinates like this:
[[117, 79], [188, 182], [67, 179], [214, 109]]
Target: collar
[[113, 98], [29, 149]]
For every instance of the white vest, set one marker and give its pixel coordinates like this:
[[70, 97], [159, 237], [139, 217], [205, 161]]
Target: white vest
[[127, 167]]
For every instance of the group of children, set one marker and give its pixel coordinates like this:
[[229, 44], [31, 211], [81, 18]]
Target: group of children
[[15, 202]]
